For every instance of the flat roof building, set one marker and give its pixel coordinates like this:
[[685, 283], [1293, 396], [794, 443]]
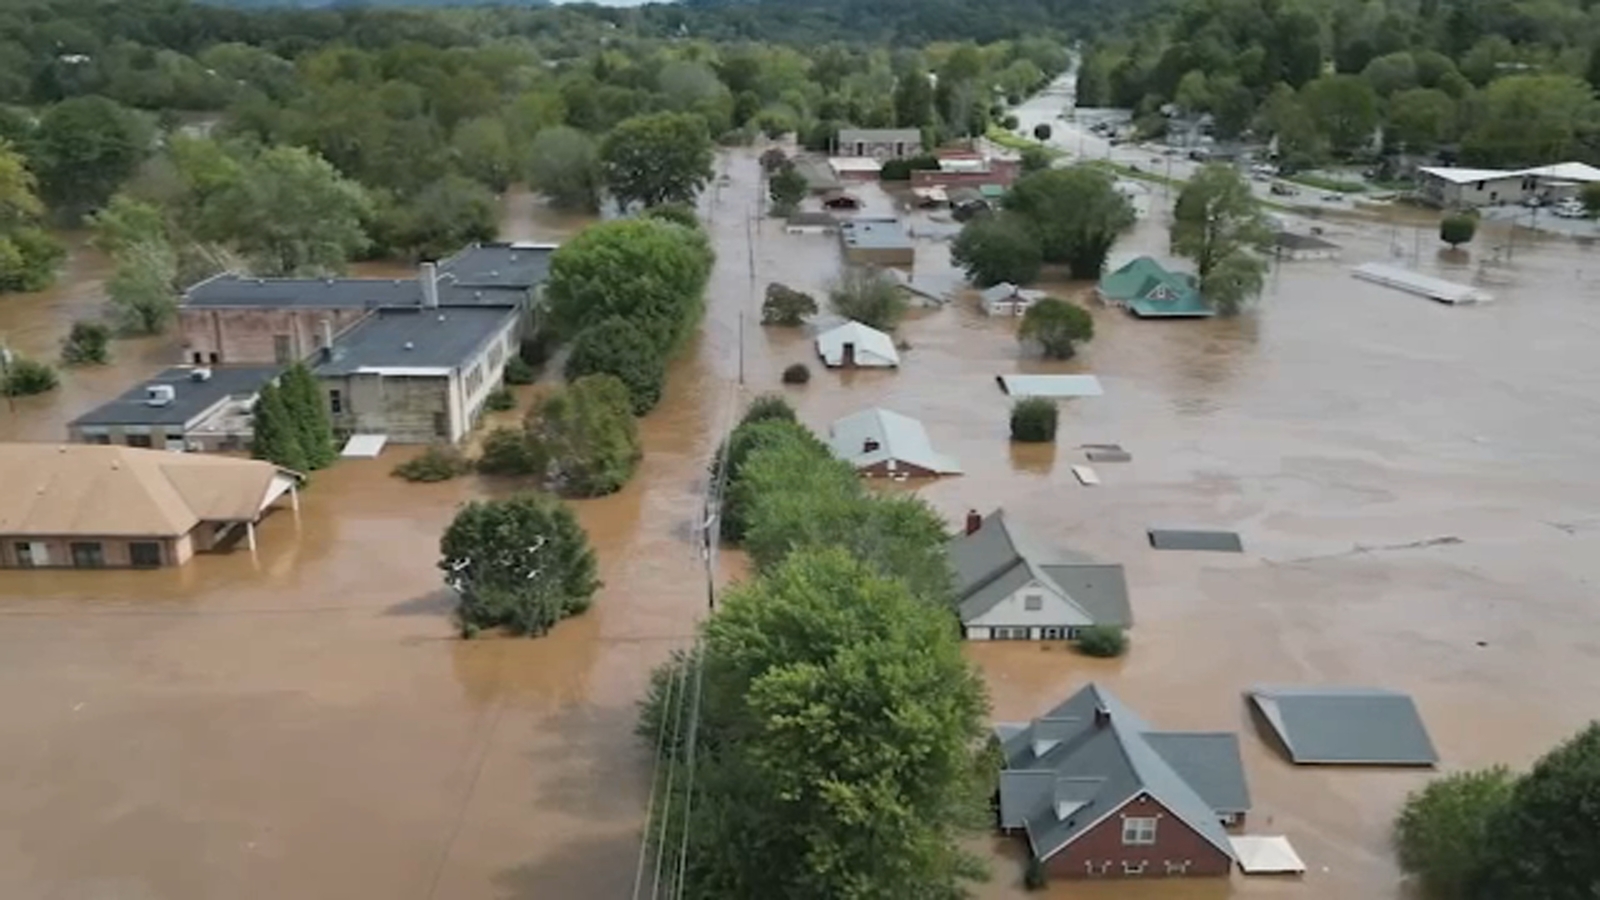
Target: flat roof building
[[879, 242], [182, 408]]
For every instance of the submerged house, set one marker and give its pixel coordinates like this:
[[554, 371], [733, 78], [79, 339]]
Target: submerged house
[[1150, 291], [853, 345], [1098, 793], [1008, 588], [881, 443]]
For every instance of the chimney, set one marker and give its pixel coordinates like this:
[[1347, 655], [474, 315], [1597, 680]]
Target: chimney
[[1102, 717], [327, 338], [430, 286], [974, 521], [869, 445], [848, 359]]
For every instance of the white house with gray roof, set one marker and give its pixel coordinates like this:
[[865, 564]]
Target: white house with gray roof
[[853, 345], [1008, 588], [1098, 792], [881, 443]]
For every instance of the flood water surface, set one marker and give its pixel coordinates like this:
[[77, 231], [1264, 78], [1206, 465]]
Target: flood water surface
[[304, 723]]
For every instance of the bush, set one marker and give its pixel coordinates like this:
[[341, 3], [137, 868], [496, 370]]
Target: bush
[[588, 435], [1457, 229], [1010, 123], [895, 170], [1104, 641], [535, 350], [786, 306], [523, 563], [773, 159], [1590, 195], [1035, 159], [1035, 877], [1033, 420], [499, 400], [676, 213], [618, 347], [1042, 131], [440, 462], [997, 248], [1057, 326], [1440, 832], [88, 344], [799, 373], [519, 372], [768, 407], [506, 451], [868, 297], [27, 377]]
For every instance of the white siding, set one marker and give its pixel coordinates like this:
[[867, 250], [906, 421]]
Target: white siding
[[1013, 610], [977, 633]]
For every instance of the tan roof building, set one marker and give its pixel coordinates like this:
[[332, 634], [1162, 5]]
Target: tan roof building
[[96, 506]]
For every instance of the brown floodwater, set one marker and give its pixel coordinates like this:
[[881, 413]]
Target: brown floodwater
[[304, 723]]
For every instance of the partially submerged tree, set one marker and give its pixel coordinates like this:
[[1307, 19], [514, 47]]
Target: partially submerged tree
[[1217, 223], [1033, 420], [999, 248], [1539, 845], [28, 254], [786, 188], [291, 213], [618, 347], [564, 164], [868, 296], [1102, 641], [657, 158], [88, 344], [1042, 131], [1441, 830], [1076, 213], [786, 306], [141, 289], [308, 409], [650, 272], [276, 436], [24, 377], [587, 436], [1057, 326], [1457, 229], [522, 563]]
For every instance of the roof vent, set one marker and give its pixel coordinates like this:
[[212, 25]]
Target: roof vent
[[410, 346], [441, 317], [200, 373], [328, 282], [159, 394]]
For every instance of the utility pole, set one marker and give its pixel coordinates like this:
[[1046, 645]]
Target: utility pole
[[5, 376]]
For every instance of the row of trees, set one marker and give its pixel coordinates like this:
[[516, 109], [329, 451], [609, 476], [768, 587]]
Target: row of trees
[[28, 254], [838, 724], [1512, 84], [291, 423]]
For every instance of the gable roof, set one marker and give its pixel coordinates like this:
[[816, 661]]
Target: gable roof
[[830, 343], [893, 436], [1150, 290], [62, 490], [1069, 769], [991, 563], [1346, 725]]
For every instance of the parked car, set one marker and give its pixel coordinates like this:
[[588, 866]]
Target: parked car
[[1332, 197], [1570, 209], [1284, 190]]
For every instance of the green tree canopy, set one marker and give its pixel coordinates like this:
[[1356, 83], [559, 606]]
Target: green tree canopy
[[1058, 326], [564, 164], [1441, 830], [276, 437], [657, 158], [1420, 119], [1532, 848], [1345, 108], [1216, 223], [522, 563], [141, 288], [1076, 214], [786, 188], [85, 148], [28, 254], [291, 213], [308, 409], [586, 435], [1532, 119], [997, 248], [867, 296], [618, 347], [645, 270]]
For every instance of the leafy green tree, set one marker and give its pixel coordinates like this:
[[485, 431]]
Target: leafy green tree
[[87, 344], [23, 377], [657, 158], [522, 563], [1042, 131], [1392, 73], [1057, 326], [308, 411], [1530, 850], [1531, 119], [1033, 420], [786, 188], [768, 407], [742, 443], [1420, 119], [291, 213], [913, 100], [85, 148], [997, 248], [867, 296], [445, 216], [564, 164], [587, 436], [276, 436], [786, 306], [618, 347], [1345, 108], [1285, 116], [1036, 159], [691, 87], [650, 272], [1076, 213], [1457, 229], [1441, 830], [839, 705], [507, 451], [141, 288], [28, 254], [1216, 223], [126, 221], [482, 148]]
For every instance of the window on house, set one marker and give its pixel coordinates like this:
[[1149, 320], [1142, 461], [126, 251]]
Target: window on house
[[138, 440], [88, 554], [1033, 602], [1139, 830], [144, 554], [216, 358], [1052, 634], [1129, 867], [1175, 867], [335, 402], [199, 357], [24, 555]]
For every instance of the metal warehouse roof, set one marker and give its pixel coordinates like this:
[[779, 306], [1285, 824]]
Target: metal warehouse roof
[[1420, 284], [891, 436], [1346, 725]]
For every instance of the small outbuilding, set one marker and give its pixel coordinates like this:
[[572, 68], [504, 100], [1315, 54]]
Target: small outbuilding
[[857, 346], [1151, 291], [811, 223], [881, 443], [1006, 299], [878, 242], [1346, 726]]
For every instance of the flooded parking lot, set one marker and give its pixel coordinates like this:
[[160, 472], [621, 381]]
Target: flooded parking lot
[[304, 723]]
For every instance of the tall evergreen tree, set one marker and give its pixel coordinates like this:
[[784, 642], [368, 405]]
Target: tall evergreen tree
[[277, 439], [302, 398]]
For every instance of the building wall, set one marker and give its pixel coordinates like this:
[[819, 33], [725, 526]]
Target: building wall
[[409, 409], [114, 551], [1175, 842], [1012, 612], [1489, 192], [472, 391], [1003, 172], [248, 336], [879, 150], [881, 256], [892, 468]]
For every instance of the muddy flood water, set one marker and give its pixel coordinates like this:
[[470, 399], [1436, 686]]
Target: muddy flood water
[[305, 724]]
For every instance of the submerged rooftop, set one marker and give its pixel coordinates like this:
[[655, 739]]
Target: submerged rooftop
[[195, 390]]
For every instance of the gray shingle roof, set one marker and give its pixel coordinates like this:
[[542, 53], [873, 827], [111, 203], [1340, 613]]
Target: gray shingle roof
[[1209, 762], [993, 562], [1346, 725], [894, 436], [515, 266], [877, 234], [190, 397], [1065, 773], [1189, 539], [403, 338]]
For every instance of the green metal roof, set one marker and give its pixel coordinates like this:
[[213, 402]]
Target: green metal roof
[[991, 191], [1151, 291]]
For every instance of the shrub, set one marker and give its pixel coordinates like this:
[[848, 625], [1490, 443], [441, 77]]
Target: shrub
[[895, 170], [89, 343], [676, 213], [1042, 131], [786, 306], [1102, 640], [773, 159], [499, 400], [767, 407], [1457, 229], [1033, 420], [1035, 159], [519, 372], [507, 451], [26, 377], [799, 373], [522, 563], [869, 297], [440, 462], [1010, 123], [588, 435], [618, 347]]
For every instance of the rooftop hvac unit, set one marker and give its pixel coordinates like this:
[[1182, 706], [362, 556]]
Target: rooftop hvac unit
[[200, 373], [159, 395]]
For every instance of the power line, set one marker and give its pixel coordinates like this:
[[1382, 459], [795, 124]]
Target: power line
[[655, 780]]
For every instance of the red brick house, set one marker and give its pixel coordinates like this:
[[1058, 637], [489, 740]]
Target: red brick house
[[1098, 793]]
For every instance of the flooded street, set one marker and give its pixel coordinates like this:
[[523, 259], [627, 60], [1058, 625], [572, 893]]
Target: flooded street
[[305, 724]]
